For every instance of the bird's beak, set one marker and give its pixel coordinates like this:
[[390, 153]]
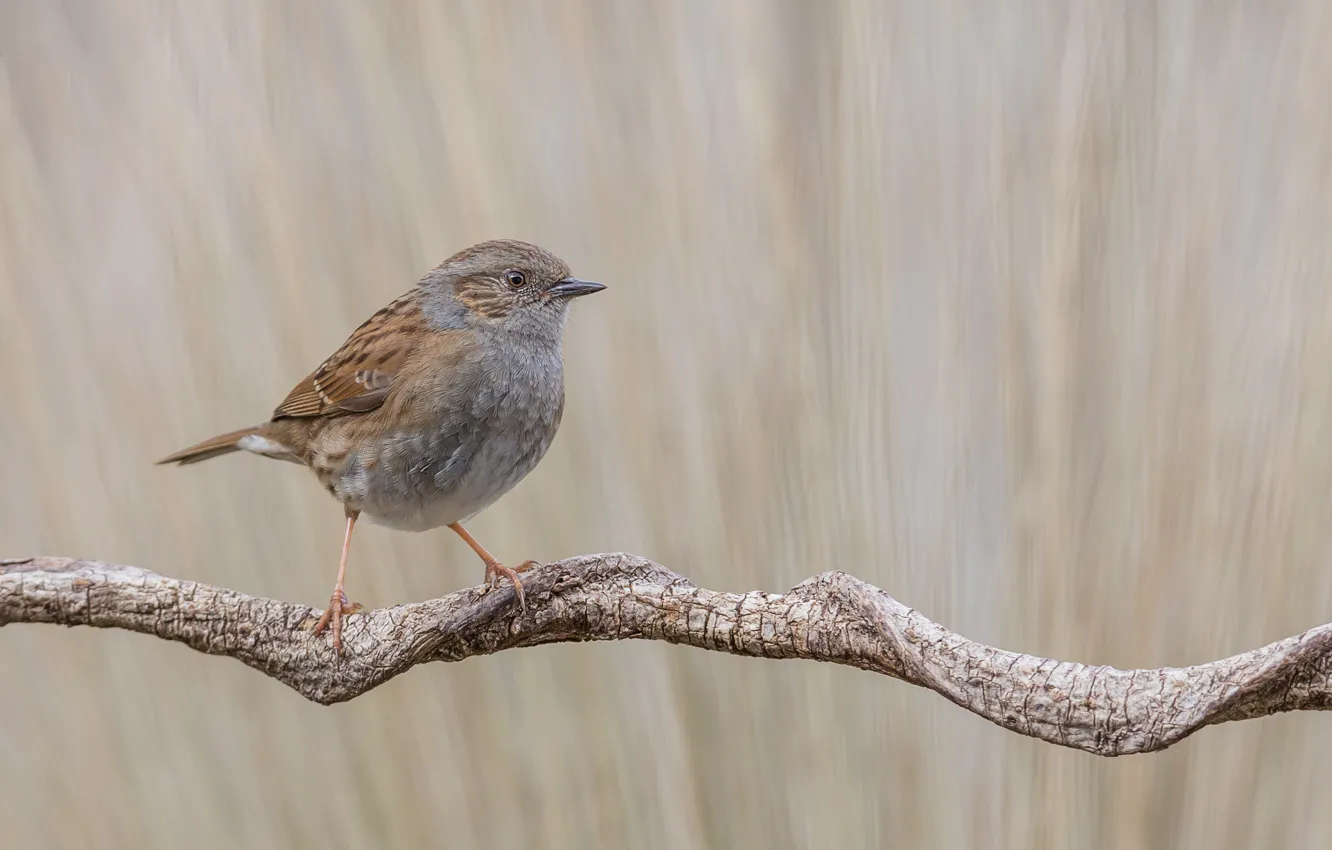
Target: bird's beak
[[572, 287]]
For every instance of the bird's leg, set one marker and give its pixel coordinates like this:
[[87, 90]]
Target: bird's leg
[[494, 569], [338, 606]]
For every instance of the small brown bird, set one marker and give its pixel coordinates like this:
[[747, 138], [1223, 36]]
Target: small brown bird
[[434, 407]]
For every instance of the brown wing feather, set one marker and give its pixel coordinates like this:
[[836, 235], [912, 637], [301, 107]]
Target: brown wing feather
[[356, 378]]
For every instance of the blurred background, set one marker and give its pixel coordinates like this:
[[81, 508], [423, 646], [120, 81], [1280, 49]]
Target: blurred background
[[1021, 312]]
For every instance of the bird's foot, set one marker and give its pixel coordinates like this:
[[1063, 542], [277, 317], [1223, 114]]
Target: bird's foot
[[338, 607], [495, 571]]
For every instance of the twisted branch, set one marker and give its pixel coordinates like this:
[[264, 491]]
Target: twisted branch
[[830, 617]]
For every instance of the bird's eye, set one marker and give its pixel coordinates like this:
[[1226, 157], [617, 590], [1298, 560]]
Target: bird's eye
[[515, 279]]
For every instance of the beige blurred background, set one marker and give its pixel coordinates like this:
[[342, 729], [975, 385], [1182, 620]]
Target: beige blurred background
[[1019, 311]]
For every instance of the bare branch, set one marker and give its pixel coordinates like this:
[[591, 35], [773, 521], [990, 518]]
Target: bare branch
[[831, 617]]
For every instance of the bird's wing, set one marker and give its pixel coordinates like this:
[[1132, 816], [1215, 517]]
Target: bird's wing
[[356, 378]]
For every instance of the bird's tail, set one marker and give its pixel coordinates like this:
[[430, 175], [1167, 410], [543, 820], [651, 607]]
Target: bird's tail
[[220, 445]]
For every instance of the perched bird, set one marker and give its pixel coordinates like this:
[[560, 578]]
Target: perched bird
[[434, 407]]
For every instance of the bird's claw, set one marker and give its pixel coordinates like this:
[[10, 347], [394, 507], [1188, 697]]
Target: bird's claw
[[495, 571], [338, 607]]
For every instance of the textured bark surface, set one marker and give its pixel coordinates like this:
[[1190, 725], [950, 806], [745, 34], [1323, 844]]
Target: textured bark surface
[[830, 617]]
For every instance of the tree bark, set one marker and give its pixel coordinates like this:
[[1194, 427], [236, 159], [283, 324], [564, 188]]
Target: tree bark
[[830, 617]]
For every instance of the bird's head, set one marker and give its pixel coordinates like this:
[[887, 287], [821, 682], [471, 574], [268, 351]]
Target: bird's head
[[504, 284]]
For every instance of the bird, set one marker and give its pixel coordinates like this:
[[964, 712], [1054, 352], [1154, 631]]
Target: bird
[[435, 407]]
